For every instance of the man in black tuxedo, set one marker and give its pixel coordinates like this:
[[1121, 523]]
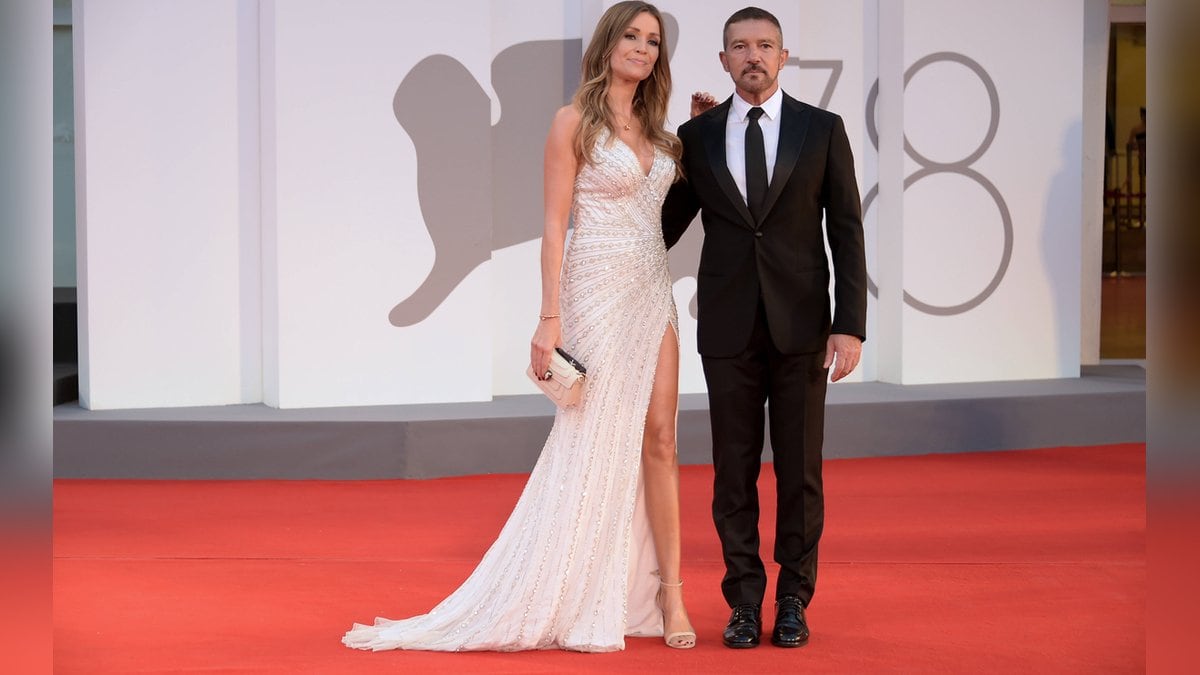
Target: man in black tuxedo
[[762, 168]]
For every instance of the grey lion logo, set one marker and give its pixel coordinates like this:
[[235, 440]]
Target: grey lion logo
[[473, 207]]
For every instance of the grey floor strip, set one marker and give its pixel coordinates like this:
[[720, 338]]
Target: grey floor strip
[[1107, 404]]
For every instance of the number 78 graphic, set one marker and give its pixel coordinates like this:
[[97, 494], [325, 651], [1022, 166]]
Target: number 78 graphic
[[929, 167]]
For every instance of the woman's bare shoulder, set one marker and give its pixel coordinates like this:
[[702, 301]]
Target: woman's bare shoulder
[[565, 124], [567, 117]]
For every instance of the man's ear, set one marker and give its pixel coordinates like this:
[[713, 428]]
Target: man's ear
[[783, 57], [724, 63]]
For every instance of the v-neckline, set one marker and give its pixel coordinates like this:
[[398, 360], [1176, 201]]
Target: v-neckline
[[637, 158]]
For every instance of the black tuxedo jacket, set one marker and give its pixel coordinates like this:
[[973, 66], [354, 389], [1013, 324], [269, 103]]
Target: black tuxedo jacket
[[782, 256]]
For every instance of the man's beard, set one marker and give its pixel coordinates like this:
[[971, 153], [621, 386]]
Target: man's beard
[[755, 86]]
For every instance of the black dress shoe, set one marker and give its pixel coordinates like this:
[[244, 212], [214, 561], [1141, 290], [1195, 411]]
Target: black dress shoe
[[744, 627], [791, 627]]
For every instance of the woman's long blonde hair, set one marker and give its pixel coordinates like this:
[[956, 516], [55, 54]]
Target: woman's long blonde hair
[[649, 101]]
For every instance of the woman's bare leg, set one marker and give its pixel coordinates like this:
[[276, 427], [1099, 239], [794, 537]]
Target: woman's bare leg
[[660, 470]]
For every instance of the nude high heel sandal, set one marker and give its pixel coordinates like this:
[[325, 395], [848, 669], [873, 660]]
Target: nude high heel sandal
[[680, 639]]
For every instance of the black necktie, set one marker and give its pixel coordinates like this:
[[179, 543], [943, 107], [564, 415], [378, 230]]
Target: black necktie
[[756, 164]]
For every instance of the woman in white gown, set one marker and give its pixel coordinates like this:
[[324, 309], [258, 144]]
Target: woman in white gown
[[591, 552]]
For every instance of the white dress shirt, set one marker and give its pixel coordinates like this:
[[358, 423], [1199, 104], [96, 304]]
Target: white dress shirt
[[735, 136]]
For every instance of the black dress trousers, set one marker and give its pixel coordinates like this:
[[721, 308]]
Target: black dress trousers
[[793, 386]]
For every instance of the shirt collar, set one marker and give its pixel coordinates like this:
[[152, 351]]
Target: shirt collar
[[771, 107]]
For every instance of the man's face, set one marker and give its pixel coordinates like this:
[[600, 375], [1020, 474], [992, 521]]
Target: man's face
[[753, 56]]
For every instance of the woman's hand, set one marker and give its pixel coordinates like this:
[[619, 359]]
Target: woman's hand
[[547, 336], [702, 101]]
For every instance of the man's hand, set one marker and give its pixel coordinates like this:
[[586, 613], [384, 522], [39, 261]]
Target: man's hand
[[848, 349], [702, 101]]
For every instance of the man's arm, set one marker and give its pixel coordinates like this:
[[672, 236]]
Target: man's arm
[[843, 223], [678, 211], [681, 205]]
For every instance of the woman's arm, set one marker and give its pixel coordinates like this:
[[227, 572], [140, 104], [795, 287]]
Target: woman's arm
[[560, 166]]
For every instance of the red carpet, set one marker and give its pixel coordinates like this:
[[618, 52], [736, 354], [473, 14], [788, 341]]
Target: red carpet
[[981, 562]]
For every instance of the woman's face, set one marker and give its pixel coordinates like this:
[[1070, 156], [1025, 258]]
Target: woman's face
[[637, 49]]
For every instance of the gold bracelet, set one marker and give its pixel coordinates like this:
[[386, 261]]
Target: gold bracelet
[[547, 317]]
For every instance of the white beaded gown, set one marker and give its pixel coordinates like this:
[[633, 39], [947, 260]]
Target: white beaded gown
[[573, 568]]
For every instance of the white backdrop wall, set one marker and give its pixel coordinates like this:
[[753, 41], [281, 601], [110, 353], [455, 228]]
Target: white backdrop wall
[[319, 204], [158, 208], [355, 214], [992, 318]]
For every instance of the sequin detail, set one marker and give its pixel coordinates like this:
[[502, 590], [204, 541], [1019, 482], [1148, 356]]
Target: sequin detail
[[571, 569]]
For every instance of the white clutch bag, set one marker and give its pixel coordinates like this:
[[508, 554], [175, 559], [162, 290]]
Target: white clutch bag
[[567, 377]]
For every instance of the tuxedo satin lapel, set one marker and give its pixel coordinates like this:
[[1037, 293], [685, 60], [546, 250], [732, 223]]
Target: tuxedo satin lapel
[[714, 142], [793, 127]]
